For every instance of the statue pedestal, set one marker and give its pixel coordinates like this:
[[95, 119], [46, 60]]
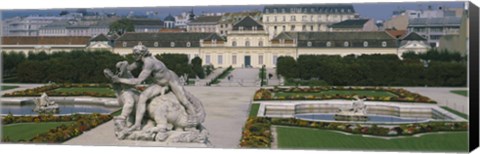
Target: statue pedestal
[[164, 144]]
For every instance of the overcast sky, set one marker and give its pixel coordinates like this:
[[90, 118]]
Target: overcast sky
[[378, 11]]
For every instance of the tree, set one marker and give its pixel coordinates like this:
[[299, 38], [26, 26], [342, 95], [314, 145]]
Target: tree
[[121, 26], [197, 68], [287, 67]]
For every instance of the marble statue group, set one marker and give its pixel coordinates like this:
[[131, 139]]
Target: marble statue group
[[45, 105], [164, 111]]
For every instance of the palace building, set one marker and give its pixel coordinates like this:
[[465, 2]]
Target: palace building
[[248, 44]]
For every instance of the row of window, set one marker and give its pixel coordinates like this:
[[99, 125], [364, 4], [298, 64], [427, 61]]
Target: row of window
[[307, 10], [155, 44], [247, 43], [306, 18], [234, 59], [347, 44], [292, 28]]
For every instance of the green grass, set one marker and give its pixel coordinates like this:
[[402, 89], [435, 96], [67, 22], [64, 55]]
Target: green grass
[[26, 131], [8, 87], [308, 138], [253, 110], [460, 92], [463, 115], [97, 90], [372, 93]]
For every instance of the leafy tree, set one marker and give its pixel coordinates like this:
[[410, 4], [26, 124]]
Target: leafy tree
[[287, 67], [121, 26], [197, 68]]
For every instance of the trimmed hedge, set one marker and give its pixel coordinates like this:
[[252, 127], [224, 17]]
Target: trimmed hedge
[[402, 94]]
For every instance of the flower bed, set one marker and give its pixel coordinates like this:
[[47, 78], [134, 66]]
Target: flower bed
[[60, 133], [50, 90], [402, 95], [254, 134]]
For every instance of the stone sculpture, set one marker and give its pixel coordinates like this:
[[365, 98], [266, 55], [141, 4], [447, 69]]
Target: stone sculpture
[[45, 105], [358, 111], [165, 111]]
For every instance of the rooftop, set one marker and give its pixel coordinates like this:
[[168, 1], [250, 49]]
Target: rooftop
[[445, 21], [311, 8], [206, 19], [351, 23], [248, 23], [45, 40]]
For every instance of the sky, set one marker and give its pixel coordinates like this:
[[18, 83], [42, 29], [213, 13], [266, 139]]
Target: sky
[[377, 11]]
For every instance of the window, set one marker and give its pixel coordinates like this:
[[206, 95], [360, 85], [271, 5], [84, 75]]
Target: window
[[292, 18], [155, 44], [260, 59], [284, 18], [214, 41], [207, 59], [384, 44], [282, 41], [283, 28], [189, 44], [365, 44], [247, 43], [275, 18], [311, 28], [292, 28], [309, 44], [220, 59], [234, 59], [260, 43], [268, 19], [274, 60], [329, 44], [172, 44], [304, 18], [304, 28], [124, 44], [345, 44], [234, 43]]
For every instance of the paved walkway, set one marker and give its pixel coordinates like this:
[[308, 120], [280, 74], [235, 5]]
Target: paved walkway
[[245, 77], [444, 97], [20, 87], [226, 108]]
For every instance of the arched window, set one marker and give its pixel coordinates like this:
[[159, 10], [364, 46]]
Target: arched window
[[309, 44], [188, 44], [124, 44], [260, 43], [247, 43], [384, 44], [345, 44], [329, 44], [365, 44], [234, 43], [155, 44], [172, 44]]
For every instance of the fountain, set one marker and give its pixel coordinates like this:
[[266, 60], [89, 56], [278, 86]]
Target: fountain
[[358, 112], [45, 105]]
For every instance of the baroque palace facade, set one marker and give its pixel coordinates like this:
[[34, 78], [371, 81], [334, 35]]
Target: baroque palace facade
[[249, 45]]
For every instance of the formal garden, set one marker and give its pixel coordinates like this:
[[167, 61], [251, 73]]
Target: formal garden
[[295, 133]]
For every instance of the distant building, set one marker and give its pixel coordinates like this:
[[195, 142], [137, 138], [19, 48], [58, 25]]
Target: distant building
[[48, 44], [101, 42], [399, 22], [183, 19], [203, 24], [434, 28], [229, 19], [304, 18], [352, 25], [147, 25], [413, 42], [169, 22], [78, 27], [29, 26]]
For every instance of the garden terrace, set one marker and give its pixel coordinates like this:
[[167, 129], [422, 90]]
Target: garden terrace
[[48, 128], [292, 132], [348, 93], [93, 90]]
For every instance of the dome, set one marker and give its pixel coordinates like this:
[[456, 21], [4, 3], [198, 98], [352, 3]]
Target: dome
[[169, 18]]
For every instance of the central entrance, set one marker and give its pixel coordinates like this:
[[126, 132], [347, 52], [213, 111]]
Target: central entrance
[[247, 61]]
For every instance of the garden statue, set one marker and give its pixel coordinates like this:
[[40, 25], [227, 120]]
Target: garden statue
[[358, 111], [165, 111], [45, 105]]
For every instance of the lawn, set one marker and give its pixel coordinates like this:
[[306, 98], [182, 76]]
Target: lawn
[[463, 115], [372, 93], [308, 138], [254, 110], [8, 87], [85, 89], [26, 131], [460, 92]]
